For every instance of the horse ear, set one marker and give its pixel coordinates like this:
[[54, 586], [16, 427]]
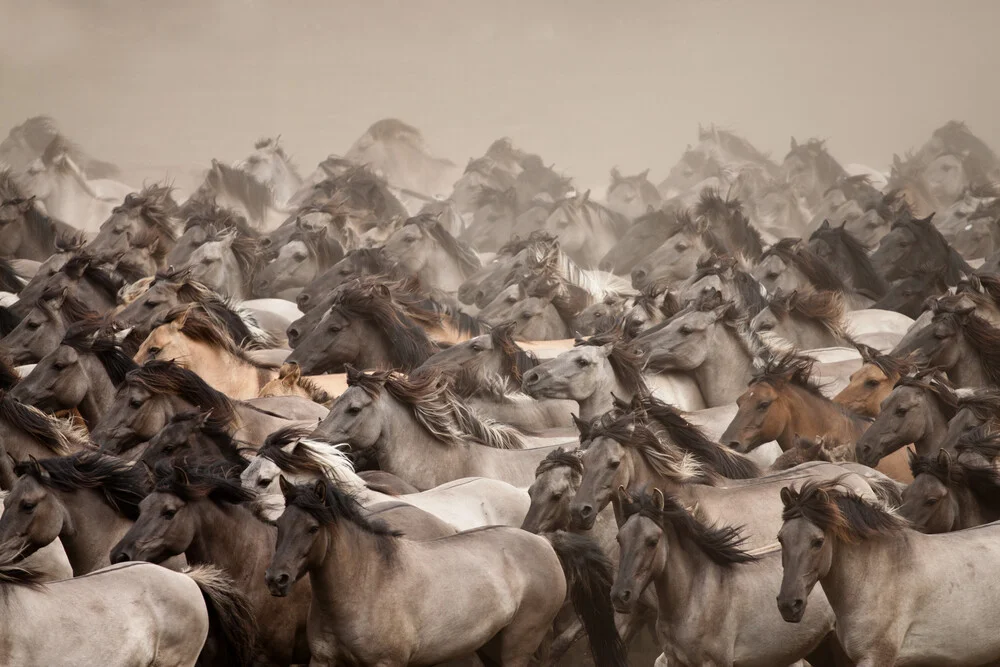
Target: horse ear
[[825, 224], [615, 175], [944, 458], [179, 321], [319, 488], [153, 245], [623, 495], [150, 475], [37, 468], [794, 144], [643, 175], [203, 418], [353, 374], [292, 375], [586, 196], [284, 485], [581, 425], [607, 348], [58, 300], [786, 496], [658, 499]]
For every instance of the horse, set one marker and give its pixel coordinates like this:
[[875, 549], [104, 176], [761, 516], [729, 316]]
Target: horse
[[270, 165], [464, 504], [654, 304], [909, 295], [196, 339], [803, 321], [632, 196], [143, 257], [172, 625], [586, 230], [811, 170], [623, 451], [728, 276], [226, 263], [778, 211], [356, 264], [59, 184], [170, 289], [849, 198], [25, 142], [153, 393], [193, 436], [299, 261], [26, 231], [322, 389], [151, 210], [512, 609], [26, 431], [200, 218], [709, 342], [871, 384], [917, 411], [849, 258], [424, 248], [421, 432], [781, 402], [790, 264], [827, 534], [705, 579], [914, 242], [81, 373], [87, 501], [363, 326], [236, 189], [648, 231], [948, 495], [976, 409], [45, 324], [197, 512]]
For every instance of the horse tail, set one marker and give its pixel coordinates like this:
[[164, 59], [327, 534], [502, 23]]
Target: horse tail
[[232, 634], [589, 575]]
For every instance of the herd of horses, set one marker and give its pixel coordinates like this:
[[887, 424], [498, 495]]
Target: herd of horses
[[400, 413]]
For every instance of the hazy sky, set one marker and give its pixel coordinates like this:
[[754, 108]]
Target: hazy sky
[[588, 84]]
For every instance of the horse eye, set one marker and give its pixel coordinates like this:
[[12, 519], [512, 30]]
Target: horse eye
[[772, 275], [299, 257], [817, 543], [766, 326], [313, 530], [512, 299], [263, 483], [871, 383], [901, 412], [354, 410], [135, 404], [930, 502], [169, 514], [651, 541], [681, 247], [59, 366], [149, 304], [169, 449], [33, 325], [556, 495], [477, 347], [153, 351], [28, 507], [582, 363], [686, 330], [614, 464], [335, 328], [764, 405]]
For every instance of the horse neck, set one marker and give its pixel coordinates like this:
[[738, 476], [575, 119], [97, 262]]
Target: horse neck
[[849, 594], [969, 370], [94, 527], [685, 576], [352, 570], [970, 512], [442, 270], [813, 416], [35, 227], [935, 429], [375, 351], [221, 368], [727, 368], [407, 449], [813, 335], [231, 537], [601, 400], [100, 392], [66, 196]]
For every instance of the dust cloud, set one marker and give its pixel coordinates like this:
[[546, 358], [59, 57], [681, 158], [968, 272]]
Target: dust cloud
[[587, 84]]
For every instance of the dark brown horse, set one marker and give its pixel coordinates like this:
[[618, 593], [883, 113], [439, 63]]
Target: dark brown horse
[[949, 495]]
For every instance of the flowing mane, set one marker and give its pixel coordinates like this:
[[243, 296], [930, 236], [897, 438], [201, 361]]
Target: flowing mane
[[749, 293], [294, 453], [733, 143], [84, 266], [208, 214], [982, 440], [789, 368], [845, 515], [329, 505], [13, 571], [690, 438], [983, 402], [167, 378], [437, 408], [514, 360], [722, 545], [889, 364], [826, 308], [926, 234], [122, 484], [373, 301], [60, 437], [626, 359], [202, 325], [727, 213], [361, 189], [796, 254], [257, 197], [863, 272], [88, 337], [981, 336], [982, 481], [813, 152], [936, 384], [667, 461], [155, 205], [195, 482]]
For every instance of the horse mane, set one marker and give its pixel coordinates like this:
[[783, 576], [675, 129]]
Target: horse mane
[[514, 360], [929, 236], [291, 450], [713, 208], [328, 504], [245, 249], [204, 326], [862, 270], [824, 307], [750, 293], [844, 514], [437, 408], [733, 143], [982, 481], [722, 544], [83, 265], [42, 228], [361, 188], [373, 261], [156, 206], [794, 252], [8, 373], [467, 260], [199, 422], [88, 337], [982, 336], [889, 364], [666, 461], [788, 368], [560, 458], [935, 383], [690, 438], [983, 402], [316, 393], [626, 359], [191, 482], [983, 440], [373, 301], [167, 378], [499, 197], [58, 436], [959, 139], [813, 151], [36, 131], [13, 571], [202, 213], [122, 484]]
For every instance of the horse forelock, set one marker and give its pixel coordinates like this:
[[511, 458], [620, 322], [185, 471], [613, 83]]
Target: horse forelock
[[842, 513]]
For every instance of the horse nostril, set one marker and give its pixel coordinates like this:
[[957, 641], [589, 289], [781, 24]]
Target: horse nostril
[[586, 511], [798, 603], [302, 299], [625, 596], [120, 557], [733, 444], [530, 378], [281, 579]]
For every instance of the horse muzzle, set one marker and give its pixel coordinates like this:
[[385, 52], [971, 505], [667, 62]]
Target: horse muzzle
[[278, 583], [623, 599], [791, 609]]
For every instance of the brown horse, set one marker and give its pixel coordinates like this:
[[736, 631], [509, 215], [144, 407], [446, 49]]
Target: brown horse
[[782, 402], [873, 382], [380, 600], [949, 495]]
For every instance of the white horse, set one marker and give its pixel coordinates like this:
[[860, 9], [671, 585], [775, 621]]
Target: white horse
[[61, 187], [270, 165], [464, 503]]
